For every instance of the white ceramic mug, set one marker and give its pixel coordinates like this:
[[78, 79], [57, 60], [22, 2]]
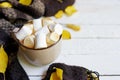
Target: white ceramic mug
[[42, 56]]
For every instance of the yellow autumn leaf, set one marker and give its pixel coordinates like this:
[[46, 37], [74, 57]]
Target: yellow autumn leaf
[[5, 5], [70, 10], [59, 14], [54, 76], [73, 27], [25, 2], [66, 34], [58, 75], [3, 60]]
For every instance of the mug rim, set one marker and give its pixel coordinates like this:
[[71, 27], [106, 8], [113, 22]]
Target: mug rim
[[20, 44]]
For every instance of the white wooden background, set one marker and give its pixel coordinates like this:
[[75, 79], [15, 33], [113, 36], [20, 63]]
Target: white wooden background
[[96, 46]]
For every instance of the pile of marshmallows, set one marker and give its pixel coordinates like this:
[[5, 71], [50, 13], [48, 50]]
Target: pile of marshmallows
[[40, 33]]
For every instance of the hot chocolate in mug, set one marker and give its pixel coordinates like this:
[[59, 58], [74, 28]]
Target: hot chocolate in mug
[[42, 56]]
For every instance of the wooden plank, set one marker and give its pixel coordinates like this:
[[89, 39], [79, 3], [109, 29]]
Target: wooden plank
[[91, 46], [96, 31], [104, 64], [110, 78], [94, 12]]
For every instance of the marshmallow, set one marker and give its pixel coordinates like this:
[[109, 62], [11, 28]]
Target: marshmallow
[[29, 41], [47, 21], [54, 36], [40, 40], [58, 29], [44, 30], [24, 31], [29, 25], [51, 27], [37, 23], [48, 40]]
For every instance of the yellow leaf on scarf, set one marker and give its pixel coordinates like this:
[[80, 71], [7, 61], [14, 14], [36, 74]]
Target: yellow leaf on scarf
[[25, 2], [59, 14], [5, 5], [66, 34], [54, 76], [3, 60], [58, 75]]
